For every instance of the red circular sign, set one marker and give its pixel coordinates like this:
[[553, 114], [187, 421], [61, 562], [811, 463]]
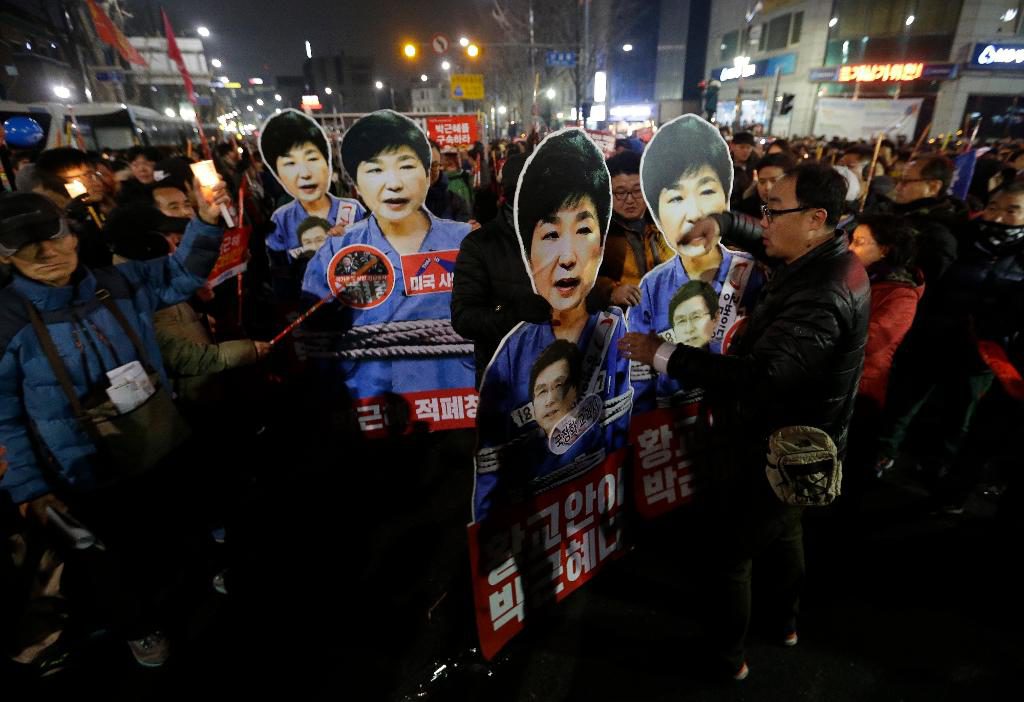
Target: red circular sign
[[440, 43], [361, 276]]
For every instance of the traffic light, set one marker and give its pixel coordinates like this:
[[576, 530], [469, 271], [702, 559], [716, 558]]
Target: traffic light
[[787, 103]]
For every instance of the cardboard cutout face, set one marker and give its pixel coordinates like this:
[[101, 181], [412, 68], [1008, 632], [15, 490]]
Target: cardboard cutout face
[[686, 174], [562, 211], [387, 156], [295, 149]]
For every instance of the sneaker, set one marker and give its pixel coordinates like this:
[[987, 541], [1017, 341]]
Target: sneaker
[[791, 638], [151, 651], [219, 584]]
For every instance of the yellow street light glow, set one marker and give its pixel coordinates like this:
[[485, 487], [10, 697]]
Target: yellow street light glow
[[409, 50], [473, 50]]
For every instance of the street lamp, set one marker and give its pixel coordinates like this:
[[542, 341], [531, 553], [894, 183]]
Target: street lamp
[[379, 85], [502, 109], [277, 96], [473, 50], [328, 90], [463, 42], [627, 47], [910, 20], [248, 108], [259, 101], [216, 63], [62, 91], [203, 32], [550, 93], [446, 66], [423, 77], [409, 50]]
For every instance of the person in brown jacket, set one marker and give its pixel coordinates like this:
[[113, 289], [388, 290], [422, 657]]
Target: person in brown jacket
[[191, 358], [634, 245]]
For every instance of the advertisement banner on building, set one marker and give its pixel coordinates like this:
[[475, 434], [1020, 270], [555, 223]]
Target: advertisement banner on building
[[455, 131], [865, 118]]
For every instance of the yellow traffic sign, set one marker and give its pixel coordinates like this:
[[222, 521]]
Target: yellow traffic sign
[[468, 86]]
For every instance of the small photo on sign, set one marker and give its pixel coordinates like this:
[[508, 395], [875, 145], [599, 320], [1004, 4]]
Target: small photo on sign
[[361, 276]]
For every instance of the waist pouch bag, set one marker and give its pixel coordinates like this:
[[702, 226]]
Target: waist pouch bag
[[127, 444], [803, 468]]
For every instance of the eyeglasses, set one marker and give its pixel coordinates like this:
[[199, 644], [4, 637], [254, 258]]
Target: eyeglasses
[[768, 213], [623, 195], [693, 319], [90, 175]]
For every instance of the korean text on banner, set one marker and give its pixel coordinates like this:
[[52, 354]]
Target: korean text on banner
[[232, 260], [544, 550], [453, 131]]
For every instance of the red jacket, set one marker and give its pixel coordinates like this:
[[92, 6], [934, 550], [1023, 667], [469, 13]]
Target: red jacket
[[893, 305]]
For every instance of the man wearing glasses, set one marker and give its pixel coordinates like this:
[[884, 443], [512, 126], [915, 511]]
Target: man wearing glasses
[[797, 363], [937, 219], [634, 245]]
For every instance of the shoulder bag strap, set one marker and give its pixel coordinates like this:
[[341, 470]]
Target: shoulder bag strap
[[53, 356], [103, 296]]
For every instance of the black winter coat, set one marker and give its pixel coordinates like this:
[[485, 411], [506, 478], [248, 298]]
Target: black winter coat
[[492, 292], [800, 357]]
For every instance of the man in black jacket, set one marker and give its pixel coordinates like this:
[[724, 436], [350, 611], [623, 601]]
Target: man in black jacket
[[492, 291], [797, 363]]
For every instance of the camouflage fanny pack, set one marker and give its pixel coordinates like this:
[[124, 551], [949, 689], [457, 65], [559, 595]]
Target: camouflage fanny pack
[[803, 468]]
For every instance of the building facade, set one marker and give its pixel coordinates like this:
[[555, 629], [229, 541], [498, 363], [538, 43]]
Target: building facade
[[949, 64]]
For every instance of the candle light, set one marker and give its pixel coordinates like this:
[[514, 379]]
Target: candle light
[[206, 173], [75, 189]]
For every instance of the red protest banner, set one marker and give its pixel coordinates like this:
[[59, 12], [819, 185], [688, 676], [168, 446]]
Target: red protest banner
[[663, 457], [453, 131], [544, 550], [234, 247], [232, 260], [436, 410]]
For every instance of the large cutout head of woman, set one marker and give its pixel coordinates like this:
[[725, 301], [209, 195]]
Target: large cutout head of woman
[[388, 158], [562, 211], [295, 148], [686, 175]]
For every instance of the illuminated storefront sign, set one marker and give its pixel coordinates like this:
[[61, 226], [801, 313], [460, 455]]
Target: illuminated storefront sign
[[884, 72], [999, 57], [765, 68], [869, 73]]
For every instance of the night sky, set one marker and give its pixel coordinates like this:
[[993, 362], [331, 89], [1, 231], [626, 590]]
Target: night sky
[[266, 37]]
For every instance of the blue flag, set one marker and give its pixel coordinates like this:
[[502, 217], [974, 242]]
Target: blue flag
[[963, 172]]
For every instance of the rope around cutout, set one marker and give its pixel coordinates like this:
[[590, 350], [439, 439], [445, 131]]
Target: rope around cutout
[[421, 338]]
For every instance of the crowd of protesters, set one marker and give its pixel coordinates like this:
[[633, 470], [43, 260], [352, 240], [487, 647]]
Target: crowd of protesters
[[95, 281]]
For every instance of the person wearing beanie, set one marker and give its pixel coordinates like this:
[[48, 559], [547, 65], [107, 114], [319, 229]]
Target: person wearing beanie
[[68, 332]]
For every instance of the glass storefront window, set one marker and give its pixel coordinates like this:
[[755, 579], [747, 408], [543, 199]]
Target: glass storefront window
[[730, 43]]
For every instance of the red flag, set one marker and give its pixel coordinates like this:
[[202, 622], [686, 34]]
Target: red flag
[[108, 33], [174, 53]]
